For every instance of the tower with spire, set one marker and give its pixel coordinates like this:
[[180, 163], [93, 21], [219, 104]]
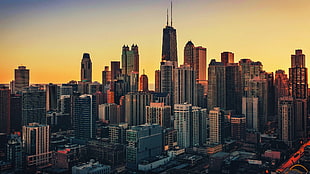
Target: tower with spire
[[169, 45]]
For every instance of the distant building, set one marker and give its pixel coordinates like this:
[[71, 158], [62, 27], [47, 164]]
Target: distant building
[[144, 142], [144, 83], [16, 112], [169, 44], [109, 112], [106, 76], [250, 110], [115, 69], [36, 140], [216, 119], [286, 112], [91, 168], [130, 59], [238, 127], [134, 81], [86, 68], [5, 110], [21, 78], [52, 95]]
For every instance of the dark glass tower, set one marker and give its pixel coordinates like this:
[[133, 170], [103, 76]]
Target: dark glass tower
[[169, 47], [86, 68]]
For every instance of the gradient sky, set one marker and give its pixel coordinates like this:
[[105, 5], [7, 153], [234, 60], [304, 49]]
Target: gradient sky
[[50, 36]]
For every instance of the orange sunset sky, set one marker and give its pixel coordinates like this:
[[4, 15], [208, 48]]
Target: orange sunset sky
[[49, 37]]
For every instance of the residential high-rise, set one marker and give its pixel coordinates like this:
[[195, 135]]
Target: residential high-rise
[[106, 76], [298, 87], [185, 85], [130, 59], [36, 140], [33, 105], [21, 78], [190, 123], [5, 110], [169, 44], [216, 85], [144, 142], [158, 113], [249, 70], [286, 119], [86, 68], [115, 69], [51, 97], [233, 84], [135, 104], [197, 59], [216, 119], [144, 83], [84, 117]]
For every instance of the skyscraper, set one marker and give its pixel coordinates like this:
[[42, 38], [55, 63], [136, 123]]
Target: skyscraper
[[216, 119], [298, 86], [33, 105], [16, 112], [51, 97], [185, 85], [169, 45], [157, 81], [115, 69], [86, 68], [227, 57], [197, 59], [250, 110], [109, 112], [281, 86], [135, 107], [21, 78], [286, 119], [36, 139], [5, 110], [158, 113], [106, 76], [84, 117], [130, 59], [166, 78], [216, 85]]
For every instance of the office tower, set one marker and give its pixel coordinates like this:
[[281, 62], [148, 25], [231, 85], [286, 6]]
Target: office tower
[[227, 57], [157, 81], [51, 97], [170, 139], [158, 113], [106, 76], [115, 69], [14, 151], [109, 112], [216, 85], [65, 89], [33, 106], [249, 70], [185, 85], [250, 110], [130, 59], [281, 86], [258, 88], [190, 123], [238, 127], [16, 112], [233, 84], [65, 104], [5, 110], [86, 68], [117, 133], [144, 142], [197, 59], [135, 107], [144, 83], [120, 87], [271, 96], [134, 81], [169, 45], [216, 119], [36, 141], [298, 87], [166, 78], [21, 78], [286, 119], [84, 117]]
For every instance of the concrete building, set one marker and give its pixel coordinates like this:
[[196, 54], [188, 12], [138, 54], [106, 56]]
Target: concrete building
[[158, 113]]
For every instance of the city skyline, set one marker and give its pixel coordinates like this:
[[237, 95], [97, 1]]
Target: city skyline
[[49, 38]]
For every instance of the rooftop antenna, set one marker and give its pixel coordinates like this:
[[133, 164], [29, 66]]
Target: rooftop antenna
[[143, 71], [171, 14], [167, 17]]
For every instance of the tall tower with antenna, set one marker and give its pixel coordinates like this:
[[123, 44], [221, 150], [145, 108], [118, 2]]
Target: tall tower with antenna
[[169, 45]]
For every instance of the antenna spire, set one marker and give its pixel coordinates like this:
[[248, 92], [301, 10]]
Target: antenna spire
[[171, 14], [167, 17]]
